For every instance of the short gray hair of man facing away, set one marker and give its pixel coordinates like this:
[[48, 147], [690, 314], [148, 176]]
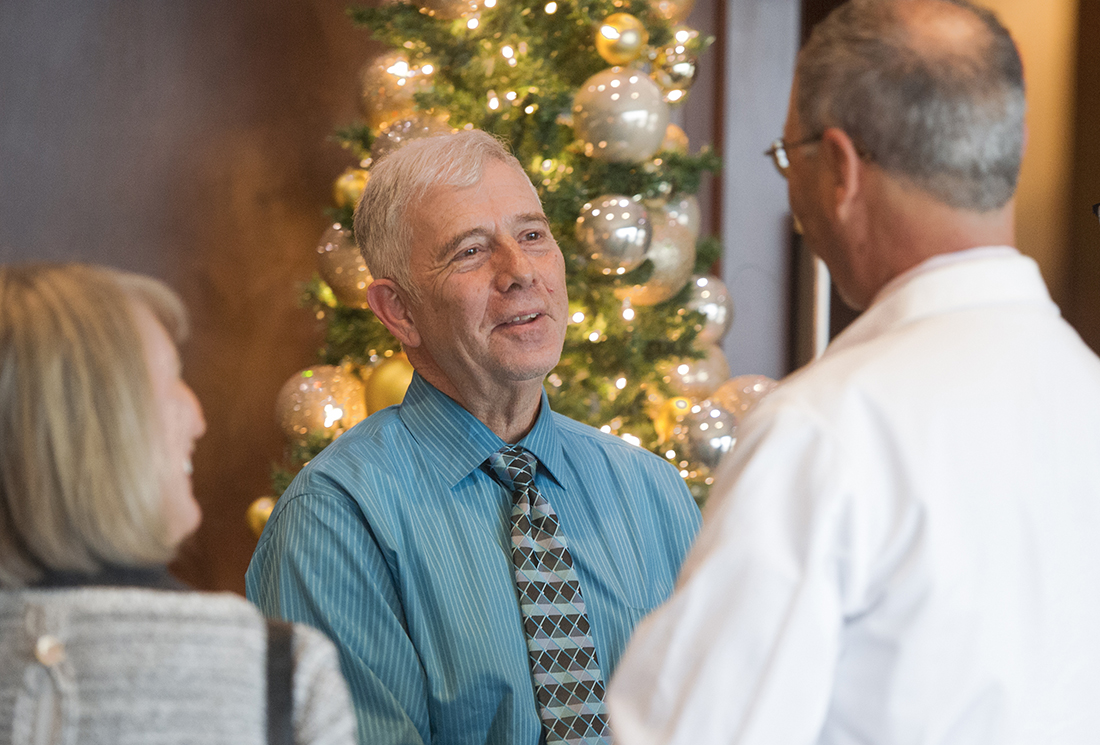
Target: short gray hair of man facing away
[[948, 119], [80, 460], [401, 180]]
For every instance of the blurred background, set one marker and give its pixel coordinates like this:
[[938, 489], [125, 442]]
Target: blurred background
[[192, 141]]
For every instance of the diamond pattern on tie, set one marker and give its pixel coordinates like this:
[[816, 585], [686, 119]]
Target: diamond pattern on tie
[[568, 683]]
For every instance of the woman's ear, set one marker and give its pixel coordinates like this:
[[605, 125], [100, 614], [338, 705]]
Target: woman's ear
[[391, 305]]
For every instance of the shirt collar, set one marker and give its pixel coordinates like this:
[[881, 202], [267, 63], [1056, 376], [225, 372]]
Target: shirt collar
[[462, 441], [981, 278]]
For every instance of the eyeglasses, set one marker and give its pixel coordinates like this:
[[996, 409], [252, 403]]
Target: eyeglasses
[[778, 152]]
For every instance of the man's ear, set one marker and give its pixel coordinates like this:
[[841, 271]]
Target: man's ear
[[389, 303], [844, 167]]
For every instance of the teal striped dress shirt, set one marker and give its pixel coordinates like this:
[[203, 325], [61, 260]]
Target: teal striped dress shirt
[[395, 542]]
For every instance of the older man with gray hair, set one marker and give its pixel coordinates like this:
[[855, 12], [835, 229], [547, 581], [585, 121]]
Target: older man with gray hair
[[479, 560], [902, 547]]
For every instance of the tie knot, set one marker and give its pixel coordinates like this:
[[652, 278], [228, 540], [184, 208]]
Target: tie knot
[[514, 466]]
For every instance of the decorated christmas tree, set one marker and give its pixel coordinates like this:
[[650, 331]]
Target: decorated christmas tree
[[582, 92]]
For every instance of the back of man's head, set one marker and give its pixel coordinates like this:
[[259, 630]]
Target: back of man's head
[[930, 90]]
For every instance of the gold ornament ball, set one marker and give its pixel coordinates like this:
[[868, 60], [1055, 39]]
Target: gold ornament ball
[[388, 84], [349, 187], [258, 514], [676, 140], [620, 116], [388, 382], [621, 38], [671, 413], [700, 378], [675, 65], [738, 395], [321, 399], [673, 11], [342, 267], [672, 251]]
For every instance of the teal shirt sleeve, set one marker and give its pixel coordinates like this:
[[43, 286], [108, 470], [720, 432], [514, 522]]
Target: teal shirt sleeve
[[319, 565]]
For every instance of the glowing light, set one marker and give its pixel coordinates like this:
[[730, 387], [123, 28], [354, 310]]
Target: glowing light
[[333, 414], [628, 314], [606, 429], [472, 24], [683, 369], [702, 281], [682, 35], [510, 95], [551, 8], [594, 336], [578, 317], [670, 454], [620, 383], [631, 439], [427, 69], [675, 95], [610, 32], [399, 68], [530, 109], [547, 166], [493, 4], [508, 52]]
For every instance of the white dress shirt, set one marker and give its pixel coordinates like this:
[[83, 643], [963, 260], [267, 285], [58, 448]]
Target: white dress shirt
[[904, 544]]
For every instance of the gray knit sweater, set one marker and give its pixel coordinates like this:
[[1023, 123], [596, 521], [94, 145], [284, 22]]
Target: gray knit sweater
[[112, 666]]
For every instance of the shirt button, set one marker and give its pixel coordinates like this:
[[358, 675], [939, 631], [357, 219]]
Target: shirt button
[[49, 650]]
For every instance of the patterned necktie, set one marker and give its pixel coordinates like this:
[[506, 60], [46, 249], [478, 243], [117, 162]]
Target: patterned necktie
[[568, 683]]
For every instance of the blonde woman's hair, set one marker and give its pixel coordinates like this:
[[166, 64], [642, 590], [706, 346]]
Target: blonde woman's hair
[[80, 458]]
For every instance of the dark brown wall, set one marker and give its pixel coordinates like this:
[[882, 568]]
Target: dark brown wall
[[187, 140], [1082, 307]]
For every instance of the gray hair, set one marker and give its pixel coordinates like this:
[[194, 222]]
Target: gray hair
[[950, 120], [401, 180]]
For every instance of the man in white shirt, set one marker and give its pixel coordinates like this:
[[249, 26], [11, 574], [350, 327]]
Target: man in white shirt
[[904, 544]]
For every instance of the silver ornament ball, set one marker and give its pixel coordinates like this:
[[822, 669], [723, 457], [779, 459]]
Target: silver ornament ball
[[672, 251], [699, 378], [620, 115], [710, 297], [614, 231], [711, 432], [405, 130]]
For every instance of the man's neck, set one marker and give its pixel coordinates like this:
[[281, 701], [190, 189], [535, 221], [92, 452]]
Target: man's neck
[[510, 411], [914, 227]]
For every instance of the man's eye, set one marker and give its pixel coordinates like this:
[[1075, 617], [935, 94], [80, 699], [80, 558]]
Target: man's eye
[[468, 252], [532, 235]]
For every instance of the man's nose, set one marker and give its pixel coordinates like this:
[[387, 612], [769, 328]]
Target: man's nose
[[514, 268]]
